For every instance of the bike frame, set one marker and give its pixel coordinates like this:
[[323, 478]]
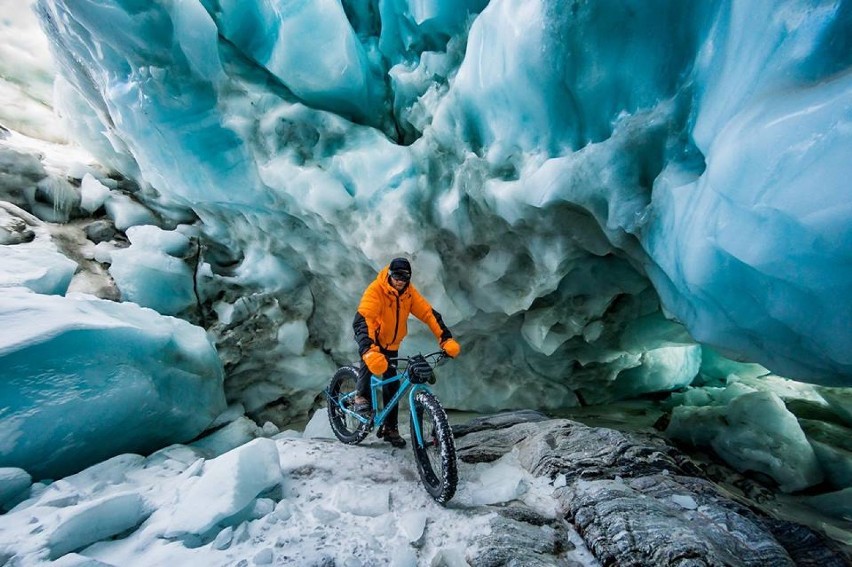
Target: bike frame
[[379, 416]]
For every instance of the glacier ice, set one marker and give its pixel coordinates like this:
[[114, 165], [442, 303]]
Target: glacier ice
[[151, 272], [13, 483], [27, 72], [754, 432], [581, 207], [795, 433], [666, 163], [85, 378], [93, 193], [226, 485], [85, 524], [29, 256], [328, 68]]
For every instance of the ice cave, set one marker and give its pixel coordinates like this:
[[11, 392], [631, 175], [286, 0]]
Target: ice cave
[[634, 215]]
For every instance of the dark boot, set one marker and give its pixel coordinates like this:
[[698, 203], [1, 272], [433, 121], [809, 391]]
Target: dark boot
[[361, 405], [391, 436]]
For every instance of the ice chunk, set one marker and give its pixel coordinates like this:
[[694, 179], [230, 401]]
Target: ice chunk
[[236, 433], [319, 426], [13, 482], [223, 538], [753, 432], [263, 557], [501, 481], [152, 272], [228, 484], [31, 259], [684, 501], [85, 524], [412, 524], [43, 270], [661, 369], [85, 379], [125, 212], [93, 193]]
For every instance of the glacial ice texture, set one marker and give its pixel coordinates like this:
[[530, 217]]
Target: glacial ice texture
[[85, 379], [581, 206]]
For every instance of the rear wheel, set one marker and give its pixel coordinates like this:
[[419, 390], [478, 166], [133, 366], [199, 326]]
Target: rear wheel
[[436, 459], [341, 391]]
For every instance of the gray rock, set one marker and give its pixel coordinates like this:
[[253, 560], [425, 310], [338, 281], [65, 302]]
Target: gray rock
[[498, 421], [635, 500], [520, 536], [637, 522], [515, 543], [580, 452], [486, 439], [13, 229], [486, 446], [102, 230]]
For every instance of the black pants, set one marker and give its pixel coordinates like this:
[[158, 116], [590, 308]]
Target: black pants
[[388, 390]]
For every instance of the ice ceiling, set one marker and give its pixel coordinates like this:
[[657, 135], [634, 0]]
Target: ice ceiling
[[599, 197]]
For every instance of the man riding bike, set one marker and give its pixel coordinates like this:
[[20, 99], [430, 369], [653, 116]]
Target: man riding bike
[[380, 325]]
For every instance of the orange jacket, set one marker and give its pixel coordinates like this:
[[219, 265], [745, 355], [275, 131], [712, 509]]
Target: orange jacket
[[383, 314]]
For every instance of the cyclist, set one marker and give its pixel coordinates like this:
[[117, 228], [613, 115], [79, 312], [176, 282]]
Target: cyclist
[[380, 325]]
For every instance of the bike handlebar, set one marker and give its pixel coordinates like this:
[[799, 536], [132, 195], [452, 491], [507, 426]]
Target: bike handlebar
[[438, 355]]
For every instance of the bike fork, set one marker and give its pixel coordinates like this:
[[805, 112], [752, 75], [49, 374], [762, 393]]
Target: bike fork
[[417, 432]]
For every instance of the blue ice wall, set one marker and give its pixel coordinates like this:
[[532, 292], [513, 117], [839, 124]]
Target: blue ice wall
[[698, 147]]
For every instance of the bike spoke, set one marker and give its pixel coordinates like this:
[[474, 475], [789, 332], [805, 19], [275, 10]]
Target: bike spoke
[[347, 426]]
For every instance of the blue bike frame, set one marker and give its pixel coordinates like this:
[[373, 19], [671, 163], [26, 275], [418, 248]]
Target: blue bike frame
[[376, 384]]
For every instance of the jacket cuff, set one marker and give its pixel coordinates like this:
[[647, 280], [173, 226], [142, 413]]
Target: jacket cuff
[[364, 346]]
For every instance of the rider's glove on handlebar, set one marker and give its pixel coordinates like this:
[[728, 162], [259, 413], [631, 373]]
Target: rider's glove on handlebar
[[451, 347], [375, 361]]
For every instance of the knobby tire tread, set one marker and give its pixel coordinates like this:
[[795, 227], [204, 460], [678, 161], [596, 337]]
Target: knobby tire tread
[[441, 484]]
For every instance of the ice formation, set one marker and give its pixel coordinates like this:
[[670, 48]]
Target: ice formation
[[597, 216], [85, 379], [691, 150]]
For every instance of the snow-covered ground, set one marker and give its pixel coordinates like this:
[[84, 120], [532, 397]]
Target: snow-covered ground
[[255, 496], [285, 500]]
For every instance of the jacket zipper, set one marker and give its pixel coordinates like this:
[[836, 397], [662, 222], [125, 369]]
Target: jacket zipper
[[396, 327]]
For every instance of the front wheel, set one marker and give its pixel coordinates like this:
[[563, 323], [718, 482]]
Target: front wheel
[[341, 392], [436, 459]]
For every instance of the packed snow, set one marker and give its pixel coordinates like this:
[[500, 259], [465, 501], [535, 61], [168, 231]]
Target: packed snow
[[287, 499]]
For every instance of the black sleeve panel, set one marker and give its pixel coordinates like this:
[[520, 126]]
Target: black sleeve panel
[[362, 333], [445, 332]]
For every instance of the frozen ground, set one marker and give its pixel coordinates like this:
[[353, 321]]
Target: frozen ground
[[283, 501], [305, 499]]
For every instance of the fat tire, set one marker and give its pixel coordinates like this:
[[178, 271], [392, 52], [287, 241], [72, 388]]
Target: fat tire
[[344, 381], [440, 483]]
